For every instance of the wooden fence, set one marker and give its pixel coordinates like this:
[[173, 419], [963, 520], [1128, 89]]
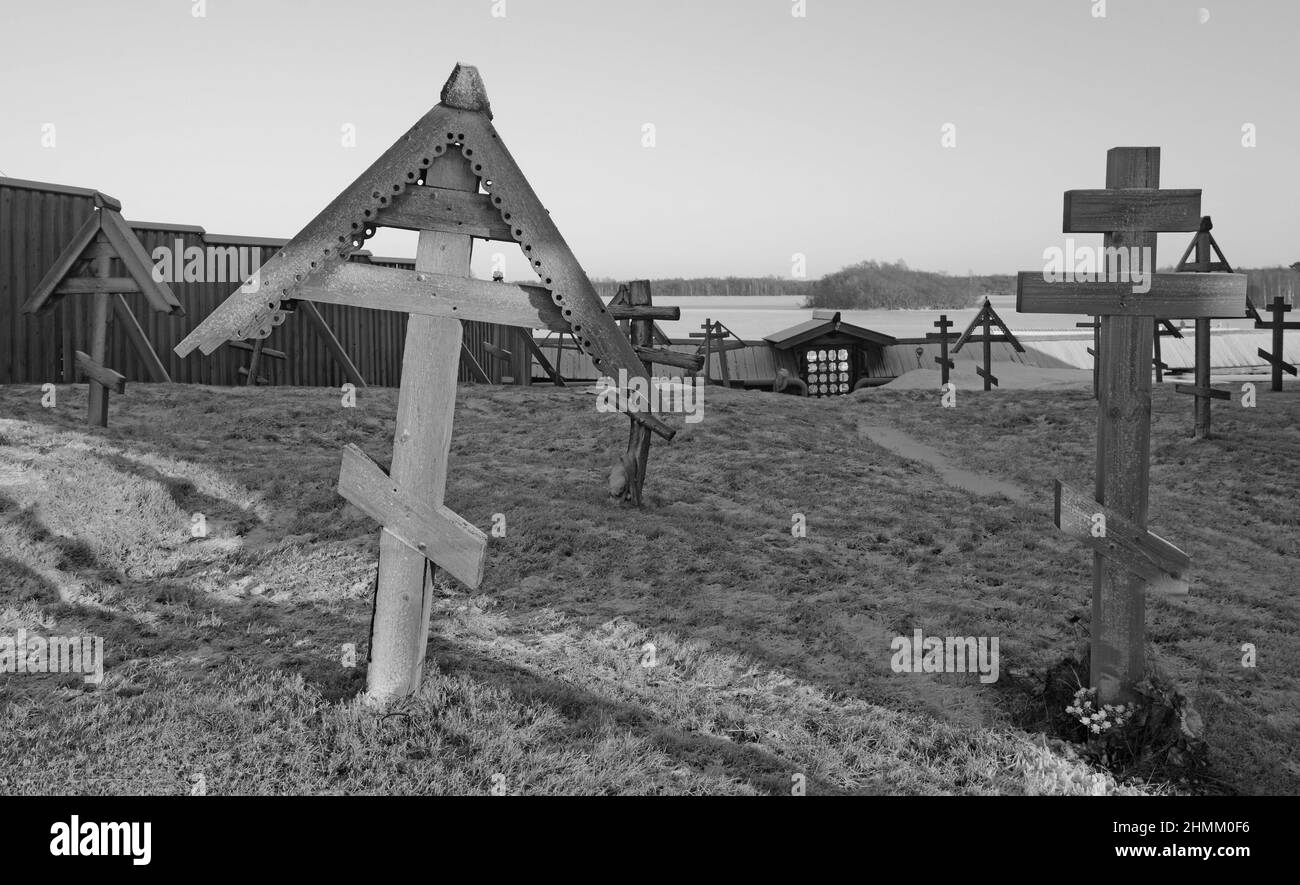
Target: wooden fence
[[37, 220]]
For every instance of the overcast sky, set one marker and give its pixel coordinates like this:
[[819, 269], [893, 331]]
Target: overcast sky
[[774, 134]]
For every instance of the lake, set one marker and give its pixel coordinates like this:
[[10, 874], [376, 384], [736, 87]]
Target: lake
[[754, 317]]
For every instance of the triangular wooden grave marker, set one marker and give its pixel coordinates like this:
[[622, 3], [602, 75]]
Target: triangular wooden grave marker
[[105, 236], [986, 319], [451, 178], [1205, 248]]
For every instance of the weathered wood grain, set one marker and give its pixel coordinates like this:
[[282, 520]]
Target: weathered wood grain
[[1160, 563], [1172, 296], [435, 533], [1144, 209]]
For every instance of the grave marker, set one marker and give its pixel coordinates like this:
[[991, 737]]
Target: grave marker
[[451, 178], [987, 318], [1134, 211], [103, 238], [1205, 247]]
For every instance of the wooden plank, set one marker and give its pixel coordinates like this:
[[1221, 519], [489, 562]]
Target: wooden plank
[[1138, 209], [432, 294], [318, 242], [93, 285], [448, 211], [646, 312], [426, 407], [114, 381], [1166, 568], [1278, 363], [551, 371], [689, 361], [435, 533], [1172, 295], [266, 351], [42, 298], [1124, 451], [332, 344], [138, 264], [101, 317], [475, 367], [1203, 392], [250, 374], [140, 341]]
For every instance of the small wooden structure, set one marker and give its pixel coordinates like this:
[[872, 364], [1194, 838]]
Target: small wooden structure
[[1205, 248], [1128, 561], [1279, 306], [830, 355], [943, 336], [986, 319], [86, 268], [451, 178]]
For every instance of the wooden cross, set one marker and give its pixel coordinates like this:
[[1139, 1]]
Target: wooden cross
[[1205, 248], [1278, 307], [943, 336], [987, 318], [715, 336], [452, 179], [1130, 211], [102, 239], [634, 309]]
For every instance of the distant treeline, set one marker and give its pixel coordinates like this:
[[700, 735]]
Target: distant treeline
[[880, 284], [713, 286]]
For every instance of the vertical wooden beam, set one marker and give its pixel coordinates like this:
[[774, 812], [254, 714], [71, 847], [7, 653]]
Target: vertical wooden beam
[[250, 380], [531, 345], [1160, 368], [1279, 328], [332, 344], [1201, 428], [1123, 453], [638, 443], [143, 347], [102, 303], [425, 408], [988, 351], [708, 348]]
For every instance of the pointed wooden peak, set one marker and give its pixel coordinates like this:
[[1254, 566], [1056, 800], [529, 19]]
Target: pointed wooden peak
[[464, 90]]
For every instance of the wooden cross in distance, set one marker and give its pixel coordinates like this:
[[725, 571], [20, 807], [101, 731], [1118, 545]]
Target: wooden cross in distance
[[987, 318], [943, 336], [1279, 307], [1130, 211], [1205, 248]]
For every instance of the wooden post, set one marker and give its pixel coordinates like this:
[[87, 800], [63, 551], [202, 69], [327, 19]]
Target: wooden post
[[1123, 452], [250, 380], [101, 314], [988, 355], [425, 407], [638, 441], [1130, 211], [945, 364], [1201, 428], [708, 349], [332, 343]]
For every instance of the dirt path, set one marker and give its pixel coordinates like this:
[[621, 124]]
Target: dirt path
[[906, 447]]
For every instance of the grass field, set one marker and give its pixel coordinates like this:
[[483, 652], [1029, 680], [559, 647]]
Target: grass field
[[224, 653]]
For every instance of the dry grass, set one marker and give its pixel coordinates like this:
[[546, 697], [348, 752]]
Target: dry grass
[[773, 652]]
